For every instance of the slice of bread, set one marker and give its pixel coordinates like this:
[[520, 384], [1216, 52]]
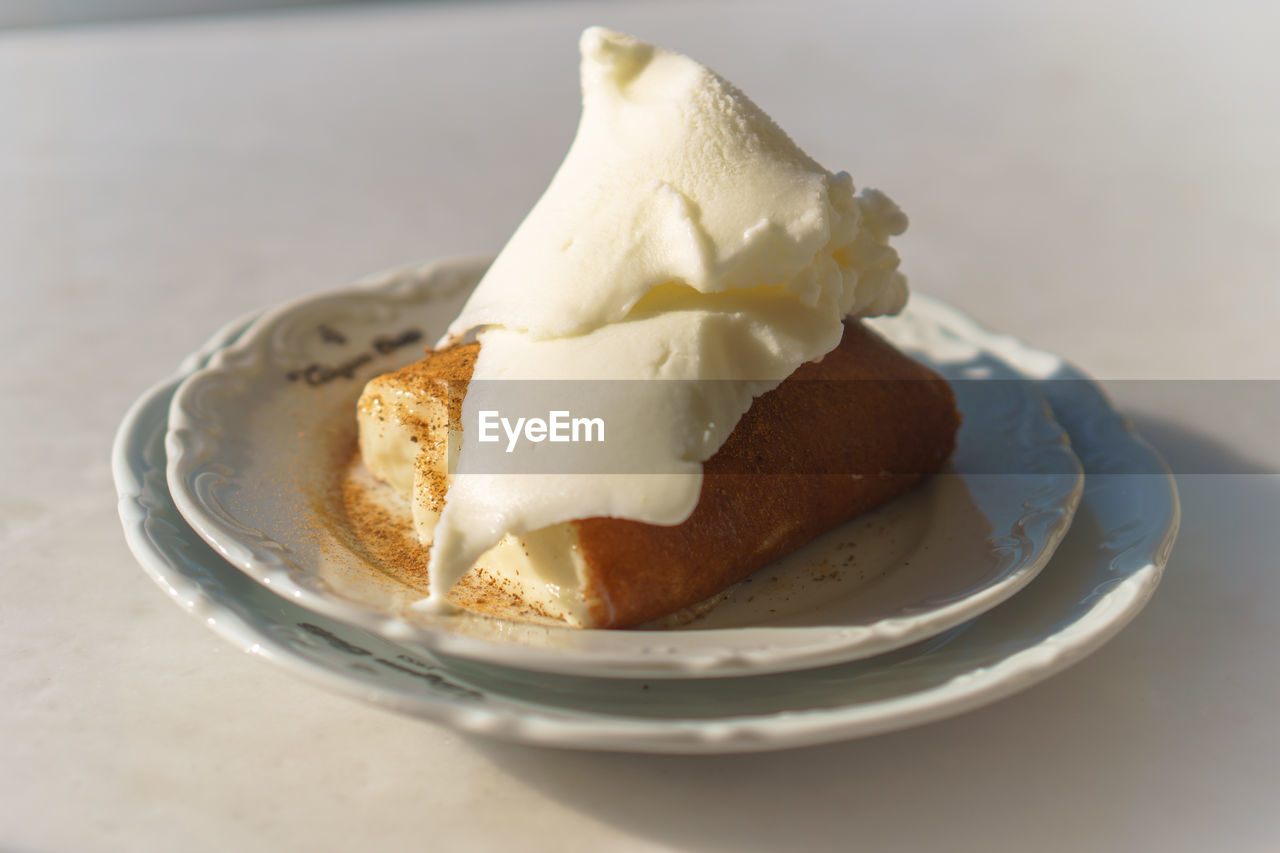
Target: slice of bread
[[840, 436]]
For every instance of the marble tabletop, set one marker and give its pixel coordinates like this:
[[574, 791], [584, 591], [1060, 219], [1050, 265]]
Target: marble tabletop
[[1099, 179]]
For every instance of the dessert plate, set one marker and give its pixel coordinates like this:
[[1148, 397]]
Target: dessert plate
[[259, 440], [1105, 571]]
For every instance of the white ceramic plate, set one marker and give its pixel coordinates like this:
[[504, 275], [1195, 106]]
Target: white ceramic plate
[[1105, 571], [254, 435]]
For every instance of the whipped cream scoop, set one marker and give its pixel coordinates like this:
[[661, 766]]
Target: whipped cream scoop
[[684, 237]]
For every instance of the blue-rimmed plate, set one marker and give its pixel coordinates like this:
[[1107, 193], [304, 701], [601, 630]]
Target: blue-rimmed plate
[[1104, 572]]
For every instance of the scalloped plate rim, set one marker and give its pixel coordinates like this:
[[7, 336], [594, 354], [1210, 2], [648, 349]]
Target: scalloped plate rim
[[674, 654]]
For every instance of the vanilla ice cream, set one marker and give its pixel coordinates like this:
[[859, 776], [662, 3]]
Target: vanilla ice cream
[[685, 237]]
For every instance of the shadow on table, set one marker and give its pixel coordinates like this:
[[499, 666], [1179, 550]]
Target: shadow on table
[[1193, 453], [1132, 746]]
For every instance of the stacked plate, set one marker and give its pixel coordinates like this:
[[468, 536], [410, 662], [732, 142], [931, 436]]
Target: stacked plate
[[1044, 537]]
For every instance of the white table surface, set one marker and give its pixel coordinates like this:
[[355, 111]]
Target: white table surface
[[1100, 179]]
